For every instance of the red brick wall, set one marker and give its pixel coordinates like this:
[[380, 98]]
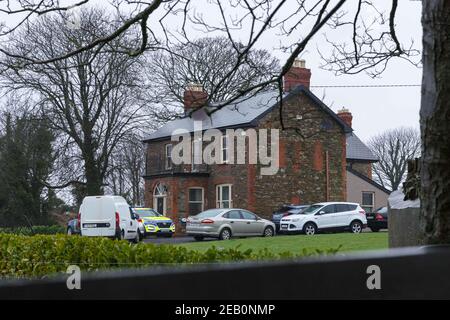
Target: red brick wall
[[363, 168], [302, 175]]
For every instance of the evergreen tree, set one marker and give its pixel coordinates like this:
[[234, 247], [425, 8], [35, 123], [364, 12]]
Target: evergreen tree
[[25, 161]]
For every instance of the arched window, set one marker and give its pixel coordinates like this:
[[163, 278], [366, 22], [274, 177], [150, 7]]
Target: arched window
[[160, 190]]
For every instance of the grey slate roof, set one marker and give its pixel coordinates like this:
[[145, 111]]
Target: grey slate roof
[[241, 113], [247, 111], [357, 150]]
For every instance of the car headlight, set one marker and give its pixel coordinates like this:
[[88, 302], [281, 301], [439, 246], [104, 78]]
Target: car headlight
[[295, 220]]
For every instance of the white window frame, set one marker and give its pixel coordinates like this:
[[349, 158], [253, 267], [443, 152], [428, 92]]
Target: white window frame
[[219, 200], [194, 166], [368, 206], [203, 197], [224, 147], [168, 160]]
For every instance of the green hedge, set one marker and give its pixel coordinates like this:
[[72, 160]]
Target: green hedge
[[36, 256], [27, 231]]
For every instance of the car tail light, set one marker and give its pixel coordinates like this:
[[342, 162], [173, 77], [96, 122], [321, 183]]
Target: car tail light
[[207, 221], [378, 217], [140, 220], [117, 221], [362, 212]]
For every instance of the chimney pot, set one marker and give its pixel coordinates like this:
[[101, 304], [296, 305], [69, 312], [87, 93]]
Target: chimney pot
[[297, 75]]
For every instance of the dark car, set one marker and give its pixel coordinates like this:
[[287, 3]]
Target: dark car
[[378, 219], [284, 211], [73, 227]]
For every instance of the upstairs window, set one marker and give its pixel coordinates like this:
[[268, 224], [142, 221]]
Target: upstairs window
[[168, 164], [196, 155], [224, 149]]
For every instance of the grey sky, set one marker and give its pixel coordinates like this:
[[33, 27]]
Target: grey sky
[[374, 109]]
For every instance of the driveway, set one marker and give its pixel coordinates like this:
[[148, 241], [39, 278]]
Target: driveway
[[173, 240], [186, 239]]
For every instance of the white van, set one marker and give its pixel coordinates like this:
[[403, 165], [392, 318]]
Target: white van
[[108, 216]]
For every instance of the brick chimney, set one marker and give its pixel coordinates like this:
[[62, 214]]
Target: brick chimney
[[346, 116], [194, 97], [297, 75]]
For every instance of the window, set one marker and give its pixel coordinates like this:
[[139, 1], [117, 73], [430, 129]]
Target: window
[[342, 207], [196, 155], [168, 156], [224, 149], [368, 201], [234, 214], [195, 201], [223, 196], [248, 215], [328, 209]]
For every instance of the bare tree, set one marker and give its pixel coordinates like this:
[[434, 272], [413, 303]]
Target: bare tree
[[394, 148], [127, 168], [243, 22], [90, 99], [370, 47], [205, 61]]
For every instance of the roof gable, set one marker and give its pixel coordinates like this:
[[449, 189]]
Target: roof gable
[[247, 111]]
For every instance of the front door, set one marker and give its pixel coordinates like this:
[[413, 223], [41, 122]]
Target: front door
[[160, 204], [159, 198]]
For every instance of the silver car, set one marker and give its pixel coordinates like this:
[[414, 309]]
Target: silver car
[[226, 223]]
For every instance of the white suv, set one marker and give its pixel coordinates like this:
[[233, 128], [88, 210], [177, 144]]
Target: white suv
[[326, 216]]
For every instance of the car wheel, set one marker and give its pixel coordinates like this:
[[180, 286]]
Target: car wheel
[[268, 232], [374, 229], [136, 238], [69, 231], [198, 238], [141, 236], [225, 234], [356, 227], [310, 229]]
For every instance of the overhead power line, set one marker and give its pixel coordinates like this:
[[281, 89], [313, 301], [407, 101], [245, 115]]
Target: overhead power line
[[368, 86]]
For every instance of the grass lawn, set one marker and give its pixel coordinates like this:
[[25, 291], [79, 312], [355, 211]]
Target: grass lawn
[[296, 243]]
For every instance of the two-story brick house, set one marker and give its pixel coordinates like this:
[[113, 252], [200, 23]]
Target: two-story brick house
[[313, 154]]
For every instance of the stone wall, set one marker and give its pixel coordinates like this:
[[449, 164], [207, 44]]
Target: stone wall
[[403, 221], [302, 177]]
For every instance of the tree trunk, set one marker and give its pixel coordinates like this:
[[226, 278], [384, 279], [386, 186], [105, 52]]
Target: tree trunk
[[435, 122], [94, 180]]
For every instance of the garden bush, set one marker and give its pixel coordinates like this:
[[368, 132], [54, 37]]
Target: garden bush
[[40, 255], [28, 231]]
